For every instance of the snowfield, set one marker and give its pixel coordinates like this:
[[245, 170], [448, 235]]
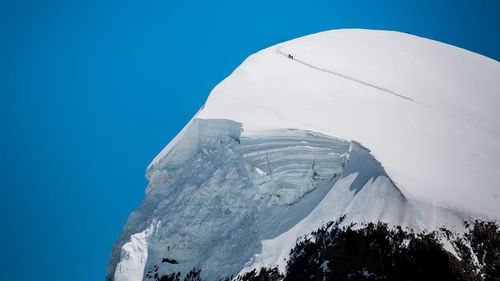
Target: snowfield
[[375, 125]]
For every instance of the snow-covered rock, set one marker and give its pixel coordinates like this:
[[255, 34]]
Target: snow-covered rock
[[376, 125]]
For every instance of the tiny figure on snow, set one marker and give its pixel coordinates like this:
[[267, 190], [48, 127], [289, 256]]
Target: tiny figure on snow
[[290, 56]]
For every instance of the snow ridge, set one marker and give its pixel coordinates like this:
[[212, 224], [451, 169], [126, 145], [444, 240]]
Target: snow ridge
[[449, 132], [294, 58]]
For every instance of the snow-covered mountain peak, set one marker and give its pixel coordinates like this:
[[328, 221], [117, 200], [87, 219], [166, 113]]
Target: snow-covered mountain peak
[[370, 125]]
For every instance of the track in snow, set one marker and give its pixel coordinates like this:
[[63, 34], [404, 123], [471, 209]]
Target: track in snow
[[279, 51]]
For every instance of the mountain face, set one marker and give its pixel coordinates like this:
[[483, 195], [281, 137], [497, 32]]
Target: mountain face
[[346, 126]]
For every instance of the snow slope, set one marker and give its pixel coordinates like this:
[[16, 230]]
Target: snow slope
[[281, 147], [440, 142]]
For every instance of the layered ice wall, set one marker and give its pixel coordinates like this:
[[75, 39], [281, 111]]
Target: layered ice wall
[[223, 202], [291, 163], [207, 195]]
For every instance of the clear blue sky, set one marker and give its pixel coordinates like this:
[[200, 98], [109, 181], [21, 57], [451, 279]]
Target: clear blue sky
[[90, 92]]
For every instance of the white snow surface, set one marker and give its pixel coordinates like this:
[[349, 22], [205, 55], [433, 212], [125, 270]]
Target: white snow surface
[[439, 143], [375, 125]]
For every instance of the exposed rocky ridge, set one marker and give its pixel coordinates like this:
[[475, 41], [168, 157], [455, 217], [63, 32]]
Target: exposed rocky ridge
[[378, 252]]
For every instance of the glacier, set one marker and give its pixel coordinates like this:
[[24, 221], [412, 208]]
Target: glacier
[[373, 125]]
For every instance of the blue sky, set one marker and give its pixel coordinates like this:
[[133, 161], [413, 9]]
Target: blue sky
[[90, 92]]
